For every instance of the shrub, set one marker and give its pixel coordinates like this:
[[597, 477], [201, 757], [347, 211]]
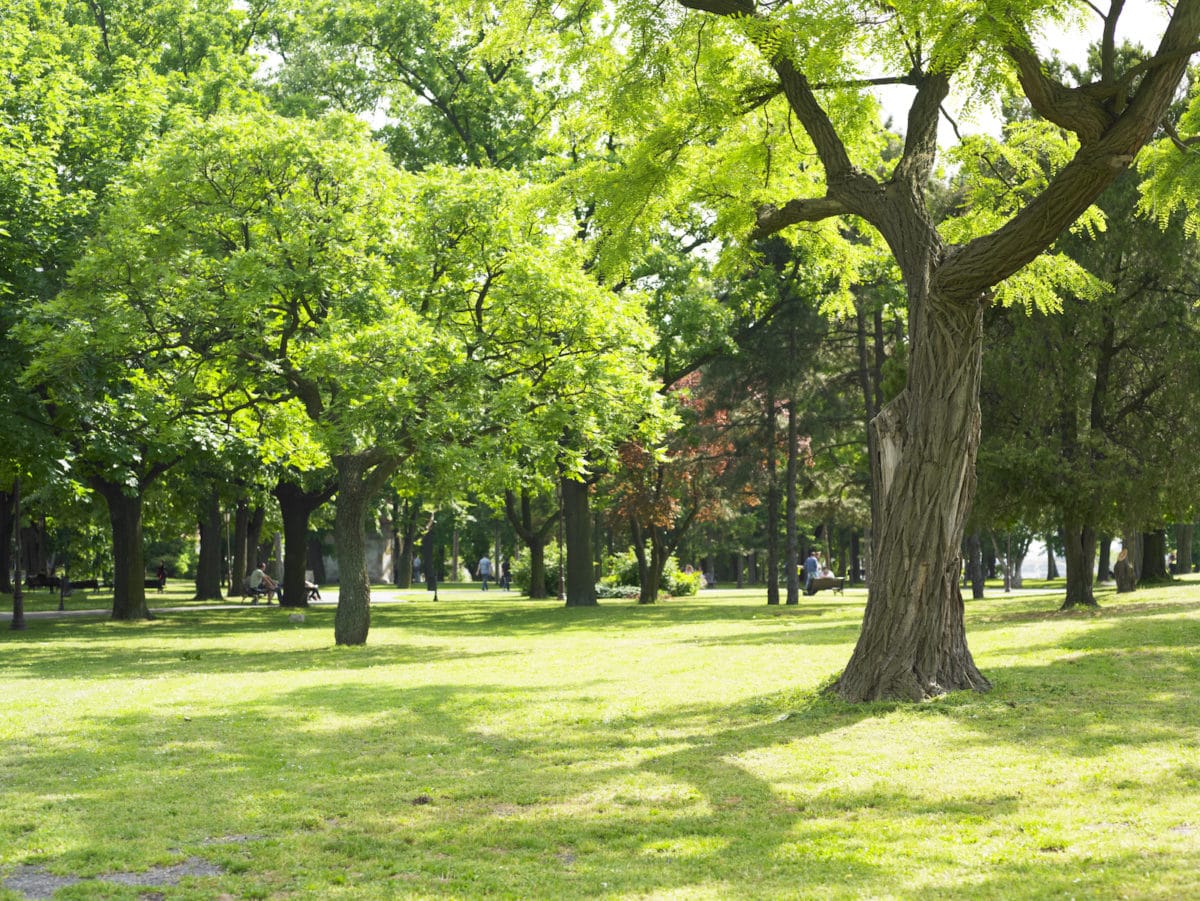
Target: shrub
[[519, 571], [622, 572]]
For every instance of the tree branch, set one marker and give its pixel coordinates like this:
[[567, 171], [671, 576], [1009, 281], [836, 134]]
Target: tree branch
[[990, 259], [1076, 109], [772, 219]]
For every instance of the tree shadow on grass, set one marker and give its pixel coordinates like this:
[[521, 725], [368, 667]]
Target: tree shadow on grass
[[464, 789]]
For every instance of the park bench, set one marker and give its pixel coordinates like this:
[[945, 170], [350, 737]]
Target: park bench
[[836, 583]]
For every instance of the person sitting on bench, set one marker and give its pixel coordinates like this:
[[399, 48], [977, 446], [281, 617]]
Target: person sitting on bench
[[260, 583]]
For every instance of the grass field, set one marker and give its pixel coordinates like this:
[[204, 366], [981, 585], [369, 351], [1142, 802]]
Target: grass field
[[492, 746]]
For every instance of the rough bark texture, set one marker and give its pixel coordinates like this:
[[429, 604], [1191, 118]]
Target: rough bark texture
[[577, 529], [360, 477], [1079, 541], [208, 566], [913, 640], [129, 569]]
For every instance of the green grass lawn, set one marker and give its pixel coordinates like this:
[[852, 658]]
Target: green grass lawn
[[492, 746]]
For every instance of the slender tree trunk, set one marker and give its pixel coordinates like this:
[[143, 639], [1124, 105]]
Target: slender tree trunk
[[1079, 543], [1104, 561], [975, 549], [7, 507], [577, 526], [316, 558], [647, 581], [793, 532], [1051, 563], [254, 526], [1184, 533], [360, 478], [429, 557], [208, 566], [1154, 557], [770, 429], [296, 507], [913, 642], [237, 575], [129, 568], [18, 589]]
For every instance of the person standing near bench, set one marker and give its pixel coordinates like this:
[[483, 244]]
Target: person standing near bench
[[812, 568]]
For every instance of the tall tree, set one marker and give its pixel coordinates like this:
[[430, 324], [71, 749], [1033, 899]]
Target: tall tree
[[913, 641]]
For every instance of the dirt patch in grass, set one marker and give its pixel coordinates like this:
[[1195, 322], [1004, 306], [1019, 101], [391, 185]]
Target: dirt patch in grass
[[36, 882]]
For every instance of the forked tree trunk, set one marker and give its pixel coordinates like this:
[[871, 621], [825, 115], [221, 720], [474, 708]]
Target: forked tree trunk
[[913, 643], [533, 537], [360, 477], [296, 507], [208, 566], [129, 569], [1080, 545]]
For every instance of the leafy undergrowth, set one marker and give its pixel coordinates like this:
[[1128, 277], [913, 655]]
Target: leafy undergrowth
[[494, 746]]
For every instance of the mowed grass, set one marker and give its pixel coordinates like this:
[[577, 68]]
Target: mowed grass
[[487, 745]]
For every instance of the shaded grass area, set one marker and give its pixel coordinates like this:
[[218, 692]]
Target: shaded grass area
[[493, 746]]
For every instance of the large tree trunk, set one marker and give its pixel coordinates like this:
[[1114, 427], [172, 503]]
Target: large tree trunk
[[913, 643], [1154, 557], [1184, 533], [1079, 541], [296, 507], [360, 478], [577, 528], [208, 566], [129, 568]]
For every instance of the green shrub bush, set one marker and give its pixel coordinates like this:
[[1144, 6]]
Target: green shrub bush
[[519, 571]]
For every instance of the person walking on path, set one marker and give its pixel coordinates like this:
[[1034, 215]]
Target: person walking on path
[[484, 570]]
